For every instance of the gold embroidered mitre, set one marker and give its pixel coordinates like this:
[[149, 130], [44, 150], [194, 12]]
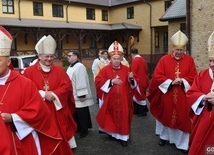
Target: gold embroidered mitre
[[179, 40], [211, 45], [5, 42], [46, 45], [115, 49]]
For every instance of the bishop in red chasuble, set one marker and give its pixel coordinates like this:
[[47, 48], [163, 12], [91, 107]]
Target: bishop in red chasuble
[[172, 78], [54, 86], [200, 99], [26, 117], [115, 108]]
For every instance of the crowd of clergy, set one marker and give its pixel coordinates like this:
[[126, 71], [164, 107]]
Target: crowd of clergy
[[43, 110]]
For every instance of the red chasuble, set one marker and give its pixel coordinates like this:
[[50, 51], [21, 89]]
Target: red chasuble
[[5, 142], [20, 96], [171, 108], [59, 84], [140, 71], [115, 113], [203, 125]]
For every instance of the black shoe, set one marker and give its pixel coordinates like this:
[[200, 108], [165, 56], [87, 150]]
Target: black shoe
[[101, 132], [82, 135], [162, 142], [124, 143], [184, 151], [111, 138]]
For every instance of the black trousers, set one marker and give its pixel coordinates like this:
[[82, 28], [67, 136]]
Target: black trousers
[[83, 120], [140, 109]]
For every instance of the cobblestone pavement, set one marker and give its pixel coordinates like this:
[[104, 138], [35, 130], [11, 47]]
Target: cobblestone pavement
[[143, 140]]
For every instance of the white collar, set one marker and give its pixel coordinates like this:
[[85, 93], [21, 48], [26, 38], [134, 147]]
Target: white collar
[[4, 79], [45, 68]]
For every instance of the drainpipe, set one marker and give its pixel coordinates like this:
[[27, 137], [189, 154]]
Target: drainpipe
[[188, 25], [67, 12], [19, 9], [151, 34]]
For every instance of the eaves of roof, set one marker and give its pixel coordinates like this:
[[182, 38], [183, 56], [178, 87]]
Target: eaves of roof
[[107, 3], [176, 11], [33, 23]]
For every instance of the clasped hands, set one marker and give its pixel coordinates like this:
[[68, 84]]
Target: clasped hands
[[49, 96], [209, 97], [117, 79], [177, 81]]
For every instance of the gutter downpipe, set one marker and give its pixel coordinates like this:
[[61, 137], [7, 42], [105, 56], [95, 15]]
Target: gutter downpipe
[[150, 25], [19, 9], [188, 26], [67, 12]]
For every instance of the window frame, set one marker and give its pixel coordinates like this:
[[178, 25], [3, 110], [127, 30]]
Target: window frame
[[157, 39], [104, 15], [167, 4], [165, 41], [130, 12], [6, 8], [56, 10], [90, 13], [37, 10]]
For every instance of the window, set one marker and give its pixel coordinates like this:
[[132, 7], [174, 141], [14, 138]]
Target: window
[[37, 9], [57, 10], [156, 39], [165, 42], [130, 13], [90, 13], [168, 4], [8, 6], [104, 15], [183, 27]]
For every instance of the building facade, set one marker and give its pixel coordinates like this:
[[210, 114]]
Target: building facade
[[195, 18], [87, 25], [201, 27]]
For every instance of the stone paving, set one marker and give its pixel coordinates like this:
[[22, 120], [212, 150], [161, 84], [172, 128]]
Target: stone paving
[[143, 140]]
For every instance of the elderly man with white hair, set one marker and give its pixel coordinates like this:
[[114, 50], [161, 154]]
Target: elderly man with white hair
[[114, 115]]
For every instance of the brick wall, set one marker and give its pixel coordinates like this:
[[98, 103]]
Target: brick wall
[[202, 25]]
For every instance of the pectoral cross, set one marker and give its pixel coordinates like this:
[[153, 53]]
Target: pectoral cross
[[46, 87], [177, 73]]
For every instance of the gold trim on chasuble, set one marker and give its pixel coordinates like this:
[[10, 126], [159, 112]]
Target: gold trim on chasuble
[[175, 94], [117, 105]]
